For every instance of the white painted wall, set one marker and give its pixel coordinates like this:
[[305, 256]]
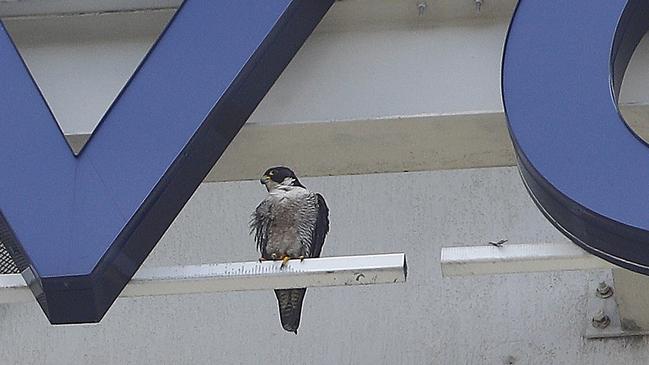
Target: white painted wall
[[347, 70], [356, 66], [81, 63]]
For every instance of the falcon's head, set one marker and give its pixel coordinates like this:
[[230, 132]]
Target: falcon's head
[[279, 176]]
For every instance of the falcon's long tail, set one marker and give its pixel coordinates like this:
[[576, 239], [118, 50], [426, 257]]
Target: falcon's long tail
[[290, 307]]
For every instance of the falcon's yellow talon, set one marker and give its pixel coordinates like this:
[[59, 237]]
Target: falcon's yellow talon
[[285, 261]]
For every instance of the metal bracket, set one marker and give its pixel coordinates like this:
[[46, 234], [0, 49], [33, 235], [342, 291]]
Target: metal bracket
[[604, 316]]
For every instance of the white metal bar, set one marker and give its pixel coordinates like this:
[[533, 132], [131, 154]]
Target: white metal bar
[[517, 258], [326, 271]]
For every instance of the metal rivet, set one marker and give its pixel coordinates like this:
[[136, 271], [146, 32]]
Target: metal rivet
[[604, 290], [601, 320]]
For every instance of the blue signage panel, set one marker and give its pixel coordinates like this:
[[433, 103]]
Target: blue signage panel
[[80, 226], [584, 167]]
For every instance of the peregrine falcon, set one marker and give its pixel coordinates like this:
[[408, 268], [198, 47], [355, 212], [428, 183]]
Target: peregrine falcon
[[290, 223]]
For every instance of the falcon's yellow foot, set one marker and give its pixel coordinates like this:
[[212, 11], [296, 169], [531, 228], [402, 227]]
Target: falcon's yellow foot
[[301, 258], [284, 261]]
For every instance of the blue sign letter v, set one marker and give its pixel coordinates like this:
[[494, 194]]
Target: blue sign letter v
[[80, 226]]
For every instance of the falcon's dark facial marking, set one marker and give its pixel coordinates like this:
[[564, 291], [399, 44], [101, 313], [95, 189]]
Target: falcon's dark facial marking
[[278, 174]]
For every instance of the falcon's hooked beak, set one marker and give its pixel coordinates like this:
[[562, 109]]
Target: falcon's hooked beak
[[264, 179]]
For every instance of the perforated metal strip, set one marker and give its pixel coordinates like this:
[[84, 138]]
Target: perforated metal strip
[[7, 265]]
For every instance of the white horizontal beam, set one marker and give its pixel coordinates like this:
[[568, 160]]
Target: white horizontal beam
[[354, 11], [20, 8], [436, 142], [517, 258], [432, 142], [327, 271]]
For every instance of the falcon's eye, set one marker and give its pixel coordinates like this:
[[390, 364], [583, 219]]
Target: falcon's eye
[[271, 173]]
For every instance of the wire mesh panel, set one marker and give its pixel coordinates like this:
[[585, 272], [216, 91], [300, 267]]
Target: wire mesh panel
[[7, 265]]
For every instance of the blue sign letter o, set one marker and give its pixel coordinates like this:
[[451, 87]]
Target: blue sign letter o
[[584, 167]]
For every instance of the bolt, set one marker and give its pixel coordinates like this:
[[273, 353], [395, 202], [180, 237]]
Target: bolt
[[498, 243], [604, 290], [601, 320]]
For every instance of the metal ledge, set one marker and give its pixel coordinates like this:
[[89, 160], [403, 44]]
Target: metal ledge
[[517, 258], [208, 278]]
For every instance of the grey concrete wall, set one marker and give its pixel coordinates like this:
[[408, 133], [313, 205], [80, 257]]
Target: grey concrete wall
[[531, 319]]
